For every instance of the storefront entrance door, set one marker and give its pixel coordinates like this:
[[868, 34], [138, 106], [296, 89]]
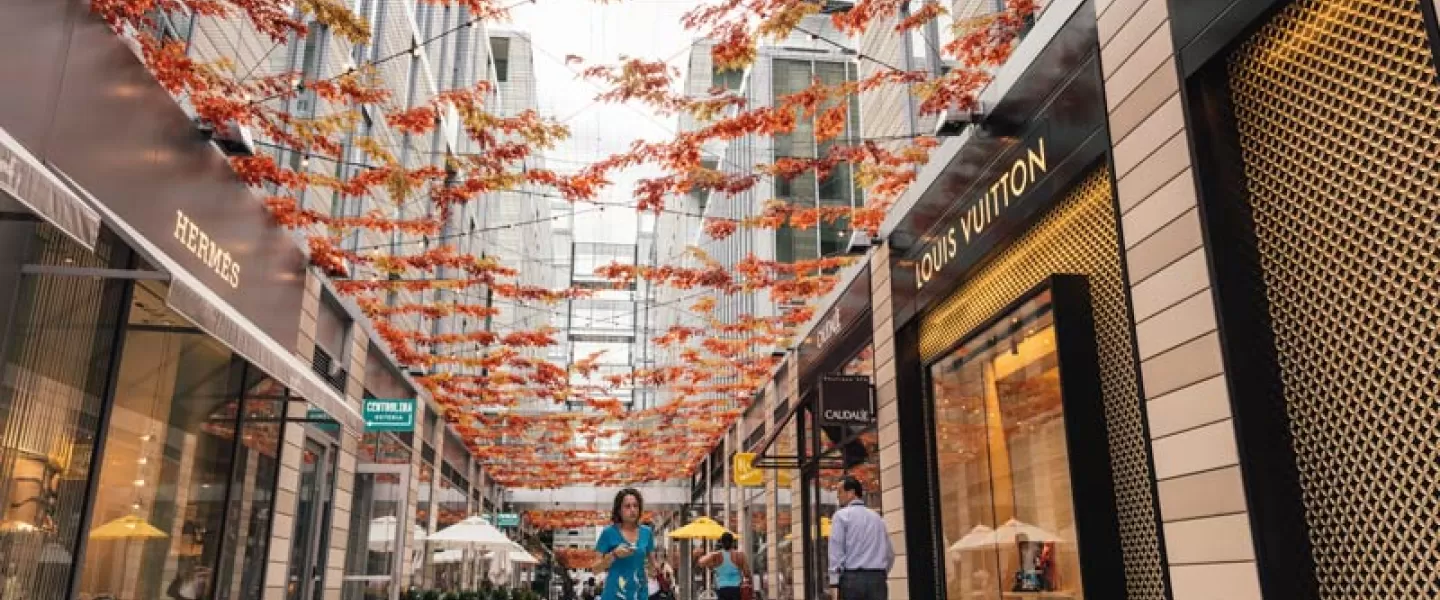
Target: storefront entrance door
[[311, 542], [377, 547]]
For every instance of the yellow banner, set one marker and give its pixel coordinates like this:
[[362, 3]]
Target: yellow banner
[[744, 471]]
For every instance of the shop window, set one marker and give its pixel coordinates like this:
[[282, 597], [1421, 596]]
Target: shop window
[[423, 506], [257, 465], [383, 448], [757, 540], [59, 340], [376, 534], [451, 507], [785, 507], [1006, 505], [310, 538], [183, 502]]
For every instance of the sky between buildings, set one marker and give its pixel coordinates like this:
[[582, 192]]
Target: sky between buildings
[[601, 33]]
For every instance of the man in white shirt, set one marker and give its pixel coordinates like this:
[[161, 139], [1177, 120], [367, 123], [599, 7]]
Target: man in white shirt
[[860, 551]]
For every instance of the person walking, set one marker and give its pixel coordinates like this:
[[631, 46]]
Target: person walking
[[731, 567], [625, 547], [662, 578], [860, 551]]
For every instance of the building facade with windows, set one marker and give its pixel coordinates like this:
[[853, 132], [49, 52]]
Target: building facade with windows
[[1149, 329], [816, 50], [204, 435], [767, 513]]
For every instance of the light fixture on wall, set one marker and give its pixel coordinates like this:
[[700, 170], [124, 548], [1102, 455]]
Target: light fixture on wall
[[955, 119], [860, 242], [233, 139]]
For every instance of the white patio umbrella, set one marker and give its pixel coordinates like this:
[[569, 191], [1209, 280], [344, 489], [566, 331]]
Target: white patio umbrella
[[54, 554], [982, 536], [474, 532], [517, 548], [382, 534], [523, 558], [1012, 528], [448, 556]]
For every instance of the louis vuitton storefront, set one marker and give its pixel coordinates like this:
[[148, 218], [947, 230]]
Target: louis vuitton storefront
[[1025, 468]]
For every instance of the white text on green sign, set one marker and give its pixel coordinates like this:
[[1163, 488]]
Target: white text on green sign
[[389, 415]]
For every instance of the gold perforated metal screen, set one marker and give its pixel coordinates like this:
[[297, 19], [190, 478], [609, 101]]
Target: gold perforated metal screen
[[1339, 119], [1078, 236]]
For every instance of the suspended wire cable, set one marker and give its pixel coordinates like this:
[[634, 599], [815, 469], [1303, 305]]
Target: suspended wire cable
[[858, 54], [413, 50], [408, 142]]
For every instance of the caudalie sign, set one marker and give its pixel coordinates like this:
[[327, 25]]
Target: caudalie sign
[[209, 252], [1005, 191]]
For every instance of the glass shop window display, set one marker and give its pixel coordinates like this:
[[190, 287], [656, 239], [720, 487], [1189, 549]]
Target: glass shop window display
[[1007, 510], [161, 526]]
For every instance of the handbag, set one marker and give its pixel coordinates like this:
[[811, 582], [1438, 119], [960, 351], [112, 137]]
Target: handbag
[[747, 589]]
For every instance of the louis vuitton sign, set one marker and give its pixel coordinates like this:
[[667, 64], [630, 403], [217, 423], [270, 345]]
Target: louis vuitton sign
[[1006, 192], [1048, 131]]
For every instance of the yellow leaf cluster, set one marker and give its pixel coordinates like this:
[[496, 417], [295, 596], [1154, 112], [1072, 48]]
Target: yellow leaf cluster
[[338, 18]]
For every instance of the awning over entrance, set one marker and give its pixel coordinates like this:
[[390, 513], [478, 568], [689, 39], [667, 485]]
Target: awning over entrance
[[191, 298], [27, 186], [218, 319]]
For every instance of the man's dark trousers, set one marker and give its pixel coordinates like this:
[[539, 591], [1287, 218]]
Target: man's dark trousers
[[864, 585]]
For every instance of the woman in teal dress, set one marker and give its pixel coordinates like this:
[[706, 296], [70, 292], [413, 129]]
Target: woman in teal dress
[[625, 548]]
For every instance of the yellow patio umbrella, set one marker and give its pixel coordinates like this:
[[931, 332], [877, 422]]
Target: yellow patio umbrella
[[126, 528], [703, 528]]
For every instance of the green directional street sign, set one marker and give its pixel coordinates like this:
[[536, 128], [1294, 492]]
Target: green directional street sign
[[321, 420], [383, 414], [507, 520]]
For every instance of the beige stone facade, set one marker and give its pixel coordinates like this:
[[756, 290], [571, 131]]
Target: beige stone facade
[[887, 409], [1206, 523], [458, 59], [1202, 508]]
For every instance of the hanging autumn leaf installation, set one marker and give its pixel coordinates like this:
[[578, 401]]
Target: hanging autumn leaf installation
[[430, 301]]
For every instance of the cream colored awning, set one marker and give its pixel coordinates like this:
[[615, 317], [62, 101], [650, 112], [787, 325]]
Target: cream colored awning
[[27, 185]]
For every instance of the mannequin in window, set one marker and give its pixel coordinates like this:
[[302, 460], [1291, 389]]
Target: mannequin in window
[[1027, 575]]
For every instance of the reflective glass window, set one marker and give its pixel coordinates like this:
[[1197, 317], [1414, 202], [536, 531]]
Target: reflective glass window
[[1005, 490]]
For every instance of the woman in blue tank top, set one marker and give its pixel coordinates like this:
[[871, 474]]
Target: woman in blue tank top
[[731, 568], [624, 549]]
